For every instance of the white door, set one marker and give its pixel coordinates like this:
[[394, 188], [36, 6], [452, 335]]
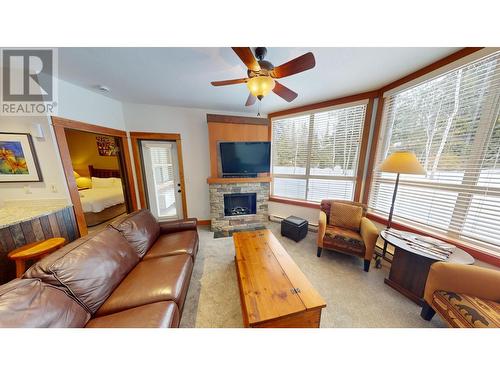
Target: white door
[[163, 186]]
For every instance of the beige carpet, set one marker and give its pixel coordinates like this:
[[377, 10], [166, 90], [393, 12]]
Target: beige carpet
[[354, 298]]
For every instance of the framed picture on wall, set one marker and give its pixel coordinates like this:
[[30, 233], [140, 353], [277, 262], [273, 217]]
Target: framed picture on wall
[[106, 146], [18, 161]]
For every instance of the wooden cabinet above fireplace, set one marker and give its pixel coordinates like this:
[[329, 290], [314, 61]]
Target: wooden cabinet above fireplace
[[234, 129]]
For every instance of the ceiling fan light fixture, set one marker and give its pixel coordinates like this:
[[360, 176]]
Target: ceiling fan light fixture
[[260, 86]]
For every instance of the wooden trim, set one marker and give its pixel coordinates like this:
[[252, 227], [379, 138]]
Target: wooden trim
[[363, 150], [431, 67], [78, 125], [327, 103], [234, 180], [156, 136], [60, 125], [373, 149], [474, 252], [181, 177], [203, 222], [138, 136], [294, 202], [237, 120], [70, 179], [129, 173]]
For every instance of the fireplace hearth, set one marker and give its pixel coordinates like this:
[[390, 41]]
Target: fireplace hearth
[[240, 204]]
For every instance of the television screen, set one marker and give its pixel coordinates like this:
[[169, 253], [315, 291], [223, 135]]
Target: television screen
[[245, 158]]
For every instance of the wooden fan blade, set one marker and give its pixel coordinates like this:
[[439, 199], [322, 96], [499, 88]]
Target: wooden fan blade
[[250, 100], [300, 64], [229, 82], [245, 54], [284, 92]]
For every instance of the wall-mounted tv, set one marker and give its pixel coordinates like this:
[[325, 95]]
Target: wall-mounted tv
[[245, 158]]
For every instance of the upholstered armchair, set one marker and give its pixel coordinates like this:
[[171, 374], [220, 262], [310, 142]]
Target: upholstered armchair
[[464, 296], [343, 227]]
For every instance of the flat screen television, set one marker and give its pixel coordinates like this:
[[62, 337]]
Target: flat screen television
[[245, 158]]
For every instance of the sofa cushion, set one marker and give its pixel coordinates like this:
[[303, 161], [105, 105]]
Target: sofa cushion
[[140, 228], [29, 303], [90, 269], [152, 280], [185, 242], [464, 311], [346, 215], [344, 240], [153, 315]]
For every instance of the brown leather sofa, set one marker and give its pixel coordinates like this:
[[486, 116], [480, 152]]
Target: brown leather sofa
[[134, 273]]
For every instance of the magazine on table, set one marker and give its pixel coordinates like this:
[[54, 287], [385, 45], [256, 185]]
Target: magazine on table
[[428, 245]]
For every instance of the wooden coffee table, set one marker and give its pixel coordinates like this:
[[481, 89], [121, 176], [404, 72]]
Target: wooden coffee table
[[274, 293], [410, 267]]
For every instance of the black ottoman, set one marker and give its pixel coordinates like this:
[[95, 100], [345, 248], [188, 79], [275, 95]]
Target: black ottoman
[[294, 227]]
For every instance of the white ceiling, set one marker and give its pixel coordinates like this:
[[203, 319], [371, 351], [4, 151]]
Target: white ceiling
[[182, 76]]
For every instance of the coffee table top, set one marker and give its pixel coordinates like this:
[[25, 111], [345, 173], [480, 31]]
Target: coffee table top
[[271, 284], [457, 256]]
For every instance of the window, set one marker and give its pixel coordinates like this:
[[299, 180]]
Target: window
[[316, 155], [452, 124]]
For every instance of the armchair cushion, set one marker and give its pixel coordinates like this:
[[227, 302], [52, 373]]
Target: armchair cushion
[[345, 240], [346, 215], [465, 311]]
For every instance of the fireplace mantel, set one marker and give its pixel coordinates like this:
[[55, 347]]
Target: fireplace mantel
[[235, 180]]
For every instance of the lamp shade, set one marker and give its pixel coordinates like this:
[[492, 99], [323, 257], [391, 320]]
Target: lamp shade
[[402, 162], [260, 86]]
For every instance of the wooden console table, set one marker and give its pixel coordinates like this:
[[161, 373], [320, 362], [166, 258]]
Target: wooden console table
[[274, 293]]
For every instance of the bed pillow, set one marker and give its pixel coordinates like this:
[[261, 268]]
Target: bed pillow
[[102, 183], [84, 183]]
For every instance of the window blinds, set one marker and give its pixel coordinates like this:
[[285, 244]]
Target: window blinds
[[315, 156], [452, 124]]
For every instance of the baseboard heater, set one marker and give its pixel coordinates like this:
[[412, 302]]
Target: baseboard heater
[[277, 219]]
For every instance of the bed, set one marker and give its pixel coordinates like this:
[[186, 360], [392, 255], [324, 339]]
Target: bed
[[105, 199]]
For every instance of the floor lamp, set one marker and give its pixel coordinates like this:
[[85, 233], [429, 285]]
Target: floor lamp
[[399, 162]]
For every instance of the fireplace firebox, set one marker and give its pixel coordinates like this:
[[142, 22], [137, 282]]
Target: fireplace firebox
[[240, 204]]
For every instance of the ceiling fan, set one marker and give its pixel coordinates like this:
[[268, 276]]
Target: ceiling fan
[[262, 74]]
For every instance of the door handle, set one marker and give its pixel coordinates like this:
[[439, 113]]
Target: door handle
[[179, 184], [179, 191]]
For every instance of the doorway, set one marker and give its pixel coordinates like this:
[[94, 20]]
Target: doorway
[[158, 159], [161, 172], [61, 126]]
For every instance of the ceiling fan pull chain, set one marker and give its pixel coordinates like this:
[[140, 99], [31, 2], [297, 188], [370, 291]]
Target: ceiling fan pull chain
[[258, 110]]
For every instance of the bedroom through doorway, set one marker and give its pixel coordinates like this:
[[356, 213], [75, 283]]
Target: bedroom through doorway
[[95, 159], [98, 170]]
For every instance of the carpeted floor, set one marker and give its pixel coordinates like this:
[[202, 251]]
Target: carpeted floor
[[354, 298]]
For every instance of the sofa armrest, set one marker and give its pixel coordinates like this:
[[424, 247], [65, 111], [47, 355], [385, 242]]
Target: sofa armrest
[[369, 234], [461, 278], [321, 228], [178, 225]]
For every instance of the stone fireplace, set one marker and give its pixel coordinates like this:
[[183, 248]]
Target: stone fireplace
[[241, 205]]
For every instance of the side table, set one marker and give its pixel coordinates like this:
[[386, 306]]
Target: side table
[[410, 267], [35, 250]]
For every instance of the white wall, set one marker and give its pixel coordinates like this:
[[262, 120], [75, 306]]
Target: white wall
[[282, 210], [48, 158], [77, 103], [191, 124], [74, 103]]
